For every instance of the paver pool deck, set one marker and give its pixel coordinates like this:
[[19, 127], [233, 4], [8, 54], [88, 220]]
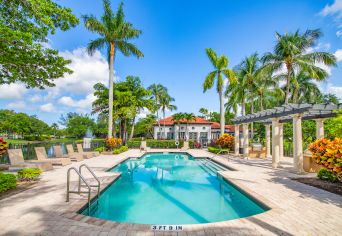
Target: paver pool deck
[[297, 209]]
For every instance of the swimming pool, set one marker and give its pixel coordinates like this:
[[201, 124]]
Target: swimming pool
[[171, 188]]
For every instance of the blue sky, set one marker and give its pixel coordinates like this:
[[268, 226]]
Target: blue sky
[[175, 35]]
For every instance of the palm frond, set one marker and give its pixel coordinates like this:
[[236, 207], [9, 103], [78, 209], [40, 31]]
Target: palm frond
[[209, 81], [96, 44], [129, 49], [212, 57]]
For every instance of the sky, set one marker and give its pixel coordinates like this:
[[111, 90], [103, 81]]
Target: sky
[[175, 36]]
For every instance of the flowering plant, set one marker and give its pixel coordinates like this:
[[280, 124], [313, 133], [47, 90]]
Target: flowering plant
[[3, 146], [328, 153], [226, 141], [113, 142]]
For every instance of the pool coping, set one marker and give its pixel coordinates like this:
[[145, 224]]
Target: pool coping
[[75, 206]]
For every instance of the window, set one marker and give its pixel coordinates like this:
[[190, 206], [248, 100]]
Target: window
[[193, 128], [170, 128], [203, 128], [182, 128], [170, 135], [203, 135], [193, 135]]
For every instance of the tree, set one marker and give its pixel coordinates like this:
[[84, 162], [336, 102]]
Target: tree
[[329, 98], [54, 128], [165, 104], [145, 126], [78, 125], [115, 34], [156, 91], [188, 117], [220, 65], [24, 28], [292, 52], [178, 117]]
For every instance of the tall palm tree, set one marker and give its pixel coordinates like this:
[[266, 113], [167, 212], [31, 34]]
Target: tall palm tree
[[115, 34], [156, 91], [188, 117], [165, 104], [292, 52], [178, 117], [220, 71]]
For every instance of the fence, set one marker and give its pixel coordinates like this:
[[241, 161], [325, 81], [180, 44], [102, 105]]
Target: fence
[[29, 153]]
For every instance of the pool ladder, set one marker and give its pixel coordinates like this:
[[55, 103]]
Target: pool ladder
[[86, 184]]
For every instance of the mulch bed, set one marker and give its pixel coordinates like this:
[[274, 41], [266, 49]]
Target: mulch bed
[[325, 185], [21, 187]]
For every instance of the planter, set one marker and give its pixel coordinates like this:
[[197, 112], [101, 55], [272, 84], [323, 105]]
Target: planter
[[309, 163]]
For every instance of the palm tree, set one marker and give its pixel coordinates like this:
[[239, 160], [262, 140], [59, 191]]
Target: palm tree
[[156, 91], [220, 71], [54, 127], [115, 34], [329, 98], [188, 117], [165, 104], [292, 52], [178, 117]]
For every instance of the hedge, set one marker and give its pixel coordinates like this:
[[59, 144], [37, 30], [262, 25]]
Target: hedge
[[163, 144], [217, 149], [29, 174], [7, 181], [120, 150], [133, 144]]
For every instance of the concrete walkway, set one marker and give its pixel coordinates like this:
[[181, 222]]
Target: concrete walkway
[[297, 209]]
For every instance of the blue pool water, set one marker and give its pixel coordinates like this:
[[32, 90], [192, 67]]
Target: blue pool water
[[171, 189]]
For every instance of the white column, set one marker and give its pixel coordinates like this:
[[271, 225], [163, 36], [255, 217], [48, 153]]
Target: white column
[[281, 141], [319, 128], [297, 143], [237, 141], [245, 140], [275, 142], [268, 141]]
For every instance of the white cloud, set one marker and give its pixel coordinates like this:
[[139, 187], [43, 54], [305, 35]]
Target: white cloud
[[338, 55], [48, 107], [12, 91], [334, 9], [16, 105], [337, 90], [81, 105], [87, 71], [339, 34], [35, 98]]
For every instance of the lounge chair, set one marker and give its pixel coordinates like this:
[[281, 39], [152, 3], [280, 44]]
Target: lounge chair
[[87, 153], [16, 158], [71, 152], [59, 154], [42, 156]]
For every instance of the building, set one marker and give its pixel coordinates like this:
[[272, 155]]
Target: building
[[199, 129]]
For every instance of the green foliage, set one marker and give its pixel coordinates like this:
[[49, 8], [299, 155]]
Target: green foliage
[[163, 143], [133, 144], [3, 146], [326, 175], [144, 127], [77, 125], [21, 123], [24, 27], [333, 126], [120, 150], [28, 174], [217, 150], [100, 149], [7, 181]]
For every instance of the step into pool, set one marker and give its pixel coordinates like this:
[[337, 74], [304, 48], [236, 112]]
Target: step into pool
[[171, 188]]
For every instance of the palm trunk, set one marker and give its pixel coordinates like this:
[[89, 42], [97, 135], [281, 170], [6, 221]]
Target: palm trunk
[[222, 123], [252, 111], [164, 124], [287, 94], [111, 89], [132, 130], [243, 107]]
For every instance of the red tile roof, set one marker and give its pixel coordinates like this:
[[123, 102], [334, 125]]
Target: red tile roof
[[198, 120]]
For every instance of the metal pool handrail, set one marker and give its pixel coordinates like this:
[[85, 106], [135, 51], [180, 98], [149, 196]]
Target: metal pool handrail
[[79, 189], [95, 177]]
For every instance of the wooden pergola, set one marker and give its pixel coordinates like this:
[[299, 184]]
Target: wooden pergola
[[276, 117]]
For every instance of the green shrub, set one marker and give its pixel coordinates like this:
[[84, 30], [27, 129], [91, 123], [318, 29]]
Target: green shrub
[[7, 181], [163, 144], [134, 143], [120, 150], [325, 174], [217, 150], [100, 149], [29, 174]]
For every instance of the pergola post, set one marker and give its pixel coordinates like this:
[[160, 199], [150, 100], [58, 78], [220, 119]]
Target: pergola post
[[237, 141], [275, 142], [281, 141], [297, 143], [319, 128], [268, 141], [245, 140]]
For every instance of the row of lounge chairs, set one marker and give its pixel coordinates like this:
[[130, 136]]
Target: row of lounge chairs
[[44, 162]]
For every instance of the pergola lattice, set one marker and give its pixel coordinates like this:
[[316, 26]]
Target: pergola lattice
[[277, 117]]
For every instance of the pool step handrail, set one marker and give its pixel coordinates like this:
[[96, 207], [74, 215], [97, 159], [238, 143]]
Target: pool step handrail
[[98, 185], [79, 190]]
